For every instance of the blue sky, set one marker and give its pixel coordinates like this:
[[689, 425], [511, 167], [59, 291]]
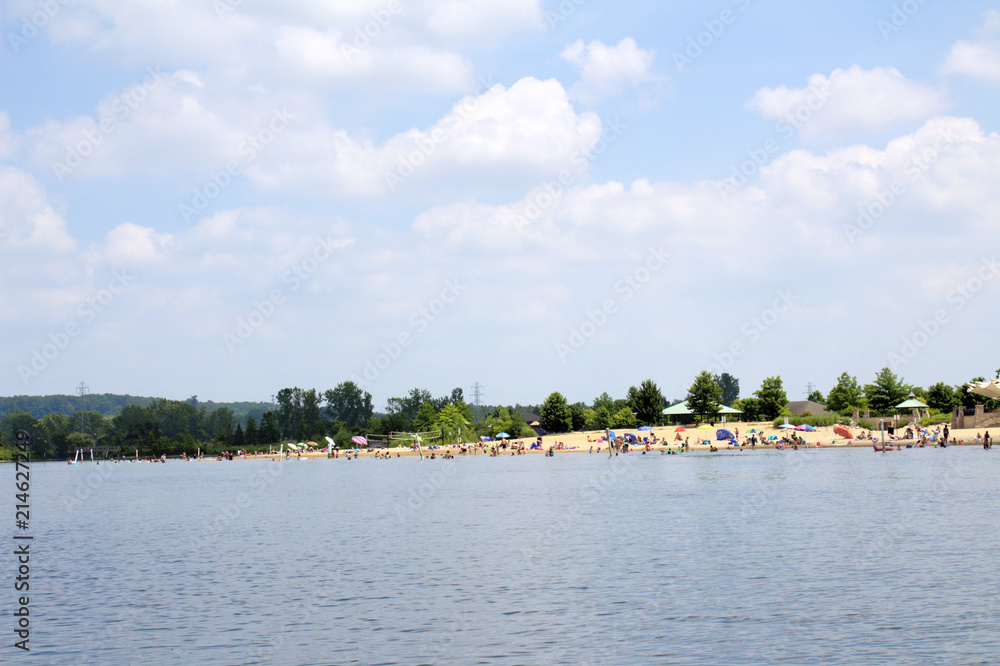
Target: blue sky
[[228, 198]]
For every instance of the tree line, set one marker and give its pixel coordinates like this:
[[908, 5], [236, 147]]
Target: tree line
[[174, 426]]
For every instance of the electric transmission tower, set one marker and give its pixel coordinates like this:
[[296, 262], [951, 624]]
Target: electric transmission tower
[[477, 393]]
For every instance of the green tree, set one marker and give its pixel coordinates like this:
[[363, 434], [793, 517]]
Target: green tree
[[704, 395], [348, 403], [239, 439], [598, 419], [51, 432], [251, 431], [269, 432], [750, 408], [886, 392], [454, 420], [648, 403], [606, 401], [623, 418], [577, 417], [425, 417], [730, 387], [289, 411], [846, 395], [457, 396], [556, 416], [771, 398], [817, 396], [941, 397]]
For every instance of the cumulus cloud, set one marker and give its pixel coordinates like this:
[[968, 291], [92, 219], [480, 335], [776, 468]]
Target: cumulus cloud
[[605, 70], [27, 220], [525, 132], [979, 58], [849, 102]]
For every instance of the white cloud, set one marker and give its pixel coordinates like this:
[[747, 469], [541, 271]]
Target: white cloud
[[605, 70], [130, 244], [849, 102], [526, 132], [27, 220], [980, 58], [476, 20]]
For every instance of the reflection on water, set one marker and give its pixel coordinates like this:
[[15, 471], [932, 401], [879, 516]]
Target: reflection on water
[[758, 557]]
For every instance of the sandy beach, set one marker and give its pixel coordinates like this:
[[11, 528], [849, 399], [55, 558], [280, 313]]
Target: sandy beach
[[699, 439]]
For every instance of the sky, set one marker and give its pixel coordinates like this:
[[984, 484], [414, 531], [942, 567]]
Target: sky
[[225, 198]]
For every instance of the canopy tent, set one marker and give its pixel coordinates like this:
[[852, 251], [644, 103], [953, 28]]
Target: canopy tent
[[990, 389], [682, 409]]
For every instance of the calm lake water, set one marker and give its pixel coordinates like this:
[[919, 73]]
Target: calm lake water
[[765, 557]]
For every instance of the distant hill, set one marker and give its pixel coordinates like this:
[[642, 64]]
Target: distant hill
[[110, 404]]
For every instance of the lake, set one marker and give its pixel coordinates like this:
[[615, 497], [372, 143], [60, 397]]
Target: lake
[[810, 556]]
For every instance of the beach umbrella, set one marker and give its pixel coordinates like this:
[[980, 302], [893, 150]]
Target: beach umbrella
[[612, 435], [359, 440], [843, 432], [772, 437], [502, 435], [293, 447], [787, 426], [704, 426], [752, 431], [645, 428], [722, 434], [681, 429], [806, 428]]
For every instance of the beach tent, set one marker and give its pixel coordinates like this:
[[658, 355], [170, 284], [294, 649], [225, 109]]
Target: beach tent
[[630, 437], [722, 434], [990, 389]]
